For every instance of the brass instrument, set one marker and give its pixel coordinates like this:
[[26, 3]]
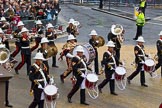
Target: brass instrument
[[51, 51], [117, 29], [4, 54], [100, 40]]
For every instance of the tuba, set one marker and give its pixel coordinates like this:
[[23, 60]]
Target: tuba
[[4, 54], [117, 29], [100, 40]]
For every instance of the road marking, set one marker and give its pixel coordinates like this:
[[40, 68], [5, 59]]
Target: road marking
[[154, 23]]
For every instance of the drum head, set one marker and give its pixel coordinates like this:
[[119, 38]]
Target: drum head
[[149, 62], [120, 70], [50, 90], [89, 52], [92, 77]]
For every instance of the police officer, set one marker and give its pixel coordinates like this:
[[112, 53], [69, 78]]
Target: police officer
[[143, 5], [109, 62], [25, 51], [39, 32], [114, 37], [140, 22], [94, 43], [79, 71], [16, 35], [139, 60], [51, 37], [43, 50], [159, 53], [7, 82], [67, 51], [39, 80]]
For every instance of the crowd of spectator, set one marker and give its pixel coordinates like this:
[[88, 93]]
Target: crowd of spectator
[[16, 10]]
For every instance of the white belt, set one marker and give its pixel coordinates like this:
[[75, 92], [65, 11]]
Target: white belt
[[25, 47], [141, 55]]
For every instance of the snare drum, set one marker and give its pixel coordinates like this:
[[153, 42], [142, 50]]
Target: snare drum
[[149, 65], [120, 73], [50, 92], [91, 81], [89, 52]]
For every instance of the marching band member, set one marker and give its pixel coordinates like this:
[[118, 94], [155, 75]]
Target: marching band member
[[4, 24], [39, 80], [51, 37], [43, 50], [3, 39], [67, 49], [109, 62], [94, 43], [16, 35], [72, 29], [7, 82], [139, 60], [79, 71], [115, 38], [39, 32], [25, 51], [159, 53]]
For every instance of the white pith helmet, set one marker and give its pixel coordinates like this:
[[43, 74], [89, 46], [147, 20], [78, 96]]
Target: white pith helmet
[[79, 48], [70, 37], [110, 44], [140, 39], [39, 56], [93, 32], [39, 22], [20, 23], [44, 40]]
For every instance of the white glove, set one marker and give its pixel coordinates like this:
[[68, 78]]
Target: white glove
[[40, 86], [52, 80], [83, 75], [97, 41], [142, 62]]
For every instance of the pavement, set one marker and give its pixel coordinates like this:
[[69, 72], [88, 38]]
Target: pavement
[[127, 12]]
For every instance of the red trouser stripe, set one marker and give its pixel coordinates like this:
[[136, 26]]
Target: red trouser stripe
[[21, 63], [16, 51]]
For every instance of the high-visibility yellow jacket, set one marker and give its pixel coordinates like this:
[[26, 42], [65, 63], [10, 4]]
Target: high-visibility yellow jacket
[[140, 21], [143, 3]]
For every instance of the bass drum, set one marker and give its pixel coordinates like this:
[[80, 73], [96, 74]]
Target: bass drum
[[89, 52]]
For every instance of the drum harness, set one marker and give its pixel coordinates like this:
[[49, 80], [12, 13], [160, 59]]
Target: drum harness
[[38, 69]]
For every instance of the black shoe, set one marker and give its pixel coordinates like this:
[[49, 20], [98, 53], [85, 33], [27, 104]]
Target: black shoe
[[62, 78], [128, 80], [144, 85], [55, 66], [16, 71], [84, 103], [113, 93], [99, 89], [69, 100], [8, 105]]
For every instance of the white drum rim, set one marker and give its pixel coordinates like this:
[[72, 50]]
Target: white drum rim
[[149, 62], [92, 77], [50, 90], [120, 70]]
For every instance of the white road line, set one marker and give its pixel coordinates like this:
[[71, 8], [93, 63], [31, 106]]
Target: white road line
[[154, 23]]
